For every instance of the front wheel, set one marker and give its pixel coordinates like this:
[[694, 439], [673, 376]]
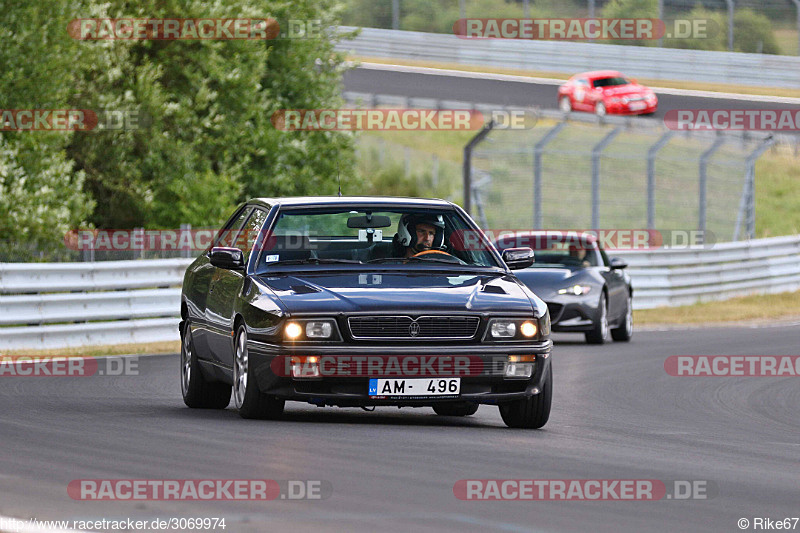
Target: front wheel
[[599, 332], [456, 409], [533, 412], [600, 109], [565, 104], [198, 392], [248, 399], [625, 331]]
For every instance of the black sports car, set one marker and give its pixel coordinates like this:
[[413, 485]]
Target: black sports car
[[360, 302], [585, 290]]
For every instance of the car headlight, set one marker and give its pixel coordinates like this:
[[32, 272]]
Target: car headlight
[[614, 100], [317, 329], [513, 329], [312, 329], [576, 290], [293, 330]]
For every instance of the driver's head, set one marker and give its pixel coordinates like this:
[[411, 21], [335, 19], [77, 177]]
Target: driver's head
[[419, 233], [425, 234], [577, 252]]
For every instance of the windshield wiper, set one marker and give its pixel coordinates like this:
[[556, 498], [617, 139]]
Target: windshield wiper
[[315, 261]]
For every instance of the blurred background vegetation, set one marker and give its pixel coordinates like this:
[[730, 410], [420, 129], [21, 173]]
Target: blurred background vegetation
[[760, 26], [205, 141]]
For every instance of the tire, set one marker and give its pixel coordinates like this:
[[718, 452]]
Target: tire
[[565, 104], [250, 402], [533, 412], [600, 109], [456, 409], [624, 332], [197, 392], [599, 332]]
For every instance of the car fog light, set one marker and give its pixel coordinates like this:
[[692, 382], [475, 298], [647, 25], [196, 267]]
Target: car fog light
[[518, 370]]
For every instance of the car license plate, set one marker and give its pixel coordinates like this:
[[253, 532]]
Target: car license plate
[[414, 388], [636, 106]]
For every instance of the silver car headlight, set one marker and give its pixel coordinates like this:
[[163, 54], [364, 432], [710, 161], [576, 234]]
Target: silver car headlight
[[576, 290]]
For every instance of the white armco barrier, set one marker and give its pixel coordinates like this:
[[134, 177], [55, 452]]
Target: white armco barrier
[[56, 305]]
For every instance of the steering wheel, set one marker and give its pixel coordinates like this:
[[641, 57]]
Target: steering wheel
[[426, 252]]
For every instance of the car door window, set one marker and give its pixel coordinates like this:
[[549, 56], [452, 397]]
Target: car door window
[[249, 234], [228, 234]]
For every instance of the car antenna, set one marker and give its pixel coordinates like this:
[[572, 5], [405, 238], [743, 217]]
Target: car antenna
[[339, 178]]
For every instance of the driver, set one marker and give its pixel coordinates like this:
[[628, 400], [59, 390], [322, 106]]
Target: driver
[[420, 233]]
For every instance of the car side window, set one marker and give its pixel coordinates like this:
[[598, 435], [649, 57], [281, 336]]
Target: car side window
[[227, 235], [249, 234]]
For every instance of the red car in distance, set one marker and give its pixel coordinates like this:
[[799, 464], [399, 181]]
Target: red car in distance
[[606, 92]]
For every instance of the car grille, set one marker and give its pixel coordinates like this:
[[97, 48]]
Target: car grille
[[555, 311], [403, 327]]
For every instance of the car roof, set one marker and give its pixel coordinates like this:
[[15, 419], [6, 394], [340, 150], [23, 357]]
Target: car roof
[[333, 201]]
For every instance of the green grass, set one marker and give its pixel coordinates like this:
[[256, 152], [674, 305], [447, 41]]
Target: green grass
[[787, 40], [760, 307], [508, 158]]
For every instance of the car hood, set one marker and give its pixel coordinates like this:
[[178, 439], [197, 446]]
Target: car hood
[[545, 282], [624, 90], [355, 292]]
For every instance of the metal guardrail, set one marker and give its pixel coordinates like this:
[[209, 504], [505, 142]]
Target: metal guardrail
[[112, 306], [683, 277], [59, 305], [762, 70]]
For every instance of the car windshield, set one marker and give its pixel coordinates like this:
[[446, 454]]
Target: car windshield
[[549, 249], [361, 236], [611, 81]]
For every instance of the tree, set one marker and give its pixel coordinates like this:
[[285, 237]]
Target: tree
[[41, 191]]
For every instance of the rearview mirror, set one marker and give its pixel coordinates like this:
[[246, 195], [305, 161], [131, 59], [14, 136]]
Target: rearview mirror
[[368, 221], [617, 263], [517, 258], [227, 258]]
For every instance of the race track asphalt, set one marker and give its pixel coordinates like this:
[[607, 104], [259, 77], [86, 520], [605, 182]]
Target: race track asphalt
[[616, 415], [379, 80]]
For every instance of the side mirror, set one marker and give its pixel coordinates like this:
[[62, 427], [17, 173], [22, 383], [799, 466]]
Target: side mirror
[[617, 263], [517, 258], [227, 258]]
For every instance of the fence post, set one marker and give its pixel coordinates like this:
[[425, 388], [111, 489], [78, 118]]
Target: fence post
[[730, 24], [701, 225], [651, 177], [538, 149], [467, 165], [747, 208], [597, 150]]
